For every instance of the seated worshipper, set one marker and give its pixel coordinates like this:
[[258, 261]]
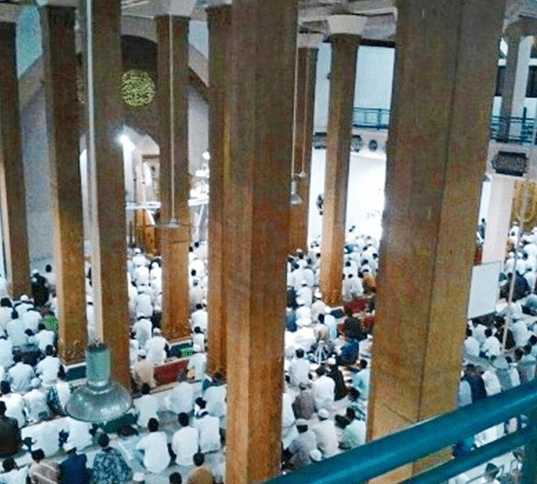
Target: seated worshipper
[[12, 473], [288, 420], [198, 339], [35, 402], [358, 404], [45, 435], [58, 394], [31, 320], [43, 471], [354, 431], [109, 466], [14, 403], [144, 306], [330, 323], [10, 436], [348, 353], [146, 406], [323, 390], [215, 396], [48, 368], [185, 441], [526, 364], [477, 385], [304, 403], [44, 338], [157, 348], [201, 474], [304, 336], [340, 390], [15, 330], [352, 327], [325, 431], [491, 346], [196, 365], [73, 469], [80, 433], [318, 306], [181, 398], [299, 451], [23, 305], [306, 294], [521, 334], [195, 295], [6, 308], [491, 472], [290, 319], [142, 329], [471, 344], [361, 379], [299, 369], [155, 448], [49, 320], [143, 371], [209, 431], [303, 313], [351, 288], [6, 352], [134, 348], [199, 318]]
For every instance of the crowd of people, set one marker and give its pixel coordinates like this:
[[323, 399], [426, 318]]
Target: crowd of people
[[327, 368]]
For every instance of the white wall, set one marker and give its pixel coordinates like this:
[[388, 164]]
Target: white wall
[[365, 195]]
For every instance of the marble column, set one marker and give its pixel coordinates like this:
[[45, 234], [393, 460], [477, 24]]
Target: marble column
[[172, 33], [345, 39], [219, 22], [12, 186], [105, 124], [256, 232], [306, 73], [58, 27], [449, 56]]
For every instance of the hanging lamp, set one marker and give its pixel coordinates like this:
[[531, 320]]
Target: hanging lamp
[[100, 399]]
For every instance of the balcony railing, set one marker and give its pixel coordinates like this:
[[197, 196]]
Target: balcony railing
[[508, 130], [420, 440]]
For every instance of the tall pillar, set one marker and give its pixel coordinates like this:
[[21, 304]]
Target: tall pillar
[[447, 52], [109, 237], [12, 187], [515, 82], [498, 218], [172, 33], [219, 22], [345, 38], [256, 233], [306, 73], [58, 27]]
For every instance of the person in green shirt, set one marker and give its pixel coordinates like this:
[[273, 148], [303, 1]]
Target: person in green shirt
[[49, 320]]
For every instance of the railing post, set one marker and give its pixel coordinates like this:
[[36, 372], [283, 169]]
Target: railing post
[[529, 468], [379, 118]]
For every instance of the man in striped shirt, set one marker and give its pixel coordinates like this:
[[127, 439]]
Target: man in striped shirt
[[42, 470]]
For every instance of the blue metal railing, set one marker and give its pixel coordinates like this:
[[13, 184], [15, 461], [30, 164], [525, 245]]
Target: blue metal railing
[[508, 130], [417, 441]]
